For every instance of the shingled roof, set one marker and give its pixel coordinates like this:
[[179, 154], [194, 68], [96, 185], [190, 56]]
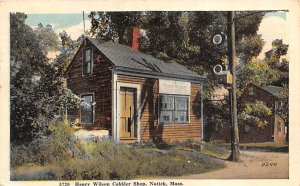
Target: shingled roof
[[274, 90], [124, 57]]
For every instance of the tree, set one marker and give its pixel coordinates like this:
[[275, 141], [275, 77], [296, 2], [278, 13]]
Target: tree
[[36, 87], [275, 58], [183, 36], [48, 38], [273, 70], [186, 37]]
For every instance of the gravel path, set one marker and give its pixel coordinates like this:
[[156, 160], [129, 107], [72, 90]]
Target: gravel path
[[253, 164]]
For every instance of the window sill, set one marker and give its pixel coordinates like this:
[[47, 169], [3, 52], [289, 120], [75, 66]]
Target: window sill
[[87, 75], [86, 123], [172, 123]]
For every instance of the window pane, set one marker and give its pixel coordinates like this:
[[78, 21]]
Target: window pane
[[88, 55], [88, 67], [166, 102], [180, 116], [87, 109], [165, 116], [181, 103], [279, 127]]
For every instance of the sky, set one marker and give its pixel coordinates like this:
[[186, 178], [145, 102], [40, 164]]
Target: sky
[[273, 25], [71, 23]]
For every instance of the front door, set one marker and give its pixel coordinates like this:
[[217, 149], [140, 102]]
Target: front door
[[127, 113]]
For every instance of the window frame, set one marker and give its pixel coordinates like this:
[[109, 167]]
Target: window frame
[[84, 62], [93, 108], [174, 110]]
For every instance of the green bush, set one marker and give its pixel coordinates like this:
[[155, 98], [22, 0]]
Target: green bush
[[58, 146], [31, 153], [21, 155]]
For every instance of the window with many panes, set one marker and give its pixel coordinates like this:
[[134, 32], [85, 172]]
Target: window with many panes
[[87, 65], [87, 109], [173, 109]]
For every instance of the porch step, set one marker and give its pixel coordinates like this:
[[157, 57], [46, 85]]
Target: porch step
[[128, 140]]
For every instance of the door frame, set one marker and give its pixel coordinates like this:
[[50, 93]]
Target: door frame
[[138, 109]]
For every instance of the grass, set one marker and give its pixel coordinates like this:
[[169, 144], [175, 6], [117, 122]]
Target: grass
[[215, 151], [209, 149], [265, 146], [34, 172]]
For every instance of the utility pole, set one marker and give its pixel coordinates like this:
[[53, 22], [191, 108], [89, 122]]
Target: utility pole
[[235, 153], [83, 22]]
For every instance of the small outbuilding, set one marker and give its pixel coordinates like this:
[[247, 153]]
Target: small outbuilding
[[134, 96], [275, 129]]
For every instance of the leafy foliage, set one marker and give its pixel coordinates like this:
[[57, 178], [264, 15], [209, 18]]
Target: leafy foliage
[[48, 38], [257, 72], [217, 116], [255, 114], [273, 70], [38, 93]]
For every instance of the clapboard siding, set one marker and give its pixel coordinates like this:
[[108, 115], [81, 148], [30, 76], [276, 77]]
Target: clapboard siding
[[150, 128], [99, 83]]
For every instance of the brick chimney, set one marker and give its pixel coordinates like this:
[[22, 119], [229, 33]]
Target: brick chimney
[[134, 38]]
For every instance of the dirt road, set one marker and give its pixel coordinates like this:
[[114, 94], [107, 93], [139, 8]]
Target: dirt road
[[252, 165]]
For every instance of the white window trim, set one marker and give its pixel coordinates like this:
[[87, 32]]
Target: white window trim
[[114, 105], [174, 123], [83, 61], [94, 108]]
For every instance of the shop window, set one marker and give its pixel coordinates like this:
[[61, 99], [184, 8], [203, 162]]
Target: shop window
[[173, 109]]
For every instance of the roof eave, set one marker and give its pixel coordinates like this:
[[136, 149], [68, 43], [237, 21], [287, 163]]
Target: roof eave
[[157, 75]]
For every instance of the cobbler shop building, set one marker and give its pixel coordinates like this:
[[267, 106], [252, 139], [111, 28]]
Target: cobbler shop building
[[134, 96]]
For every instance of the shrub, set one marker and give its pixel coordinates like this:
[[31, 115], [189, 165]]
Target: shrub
[[31, 153], [76, 169], [58, 146], [109, 160], [20, 155]]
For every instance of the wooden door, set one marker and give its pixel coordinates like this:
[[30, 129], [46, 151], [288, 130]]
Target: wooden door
[[127, 113]]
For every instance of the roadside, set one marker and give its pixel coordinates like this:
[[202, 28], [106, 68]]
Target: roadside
[[253, 165], [265, 146]]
